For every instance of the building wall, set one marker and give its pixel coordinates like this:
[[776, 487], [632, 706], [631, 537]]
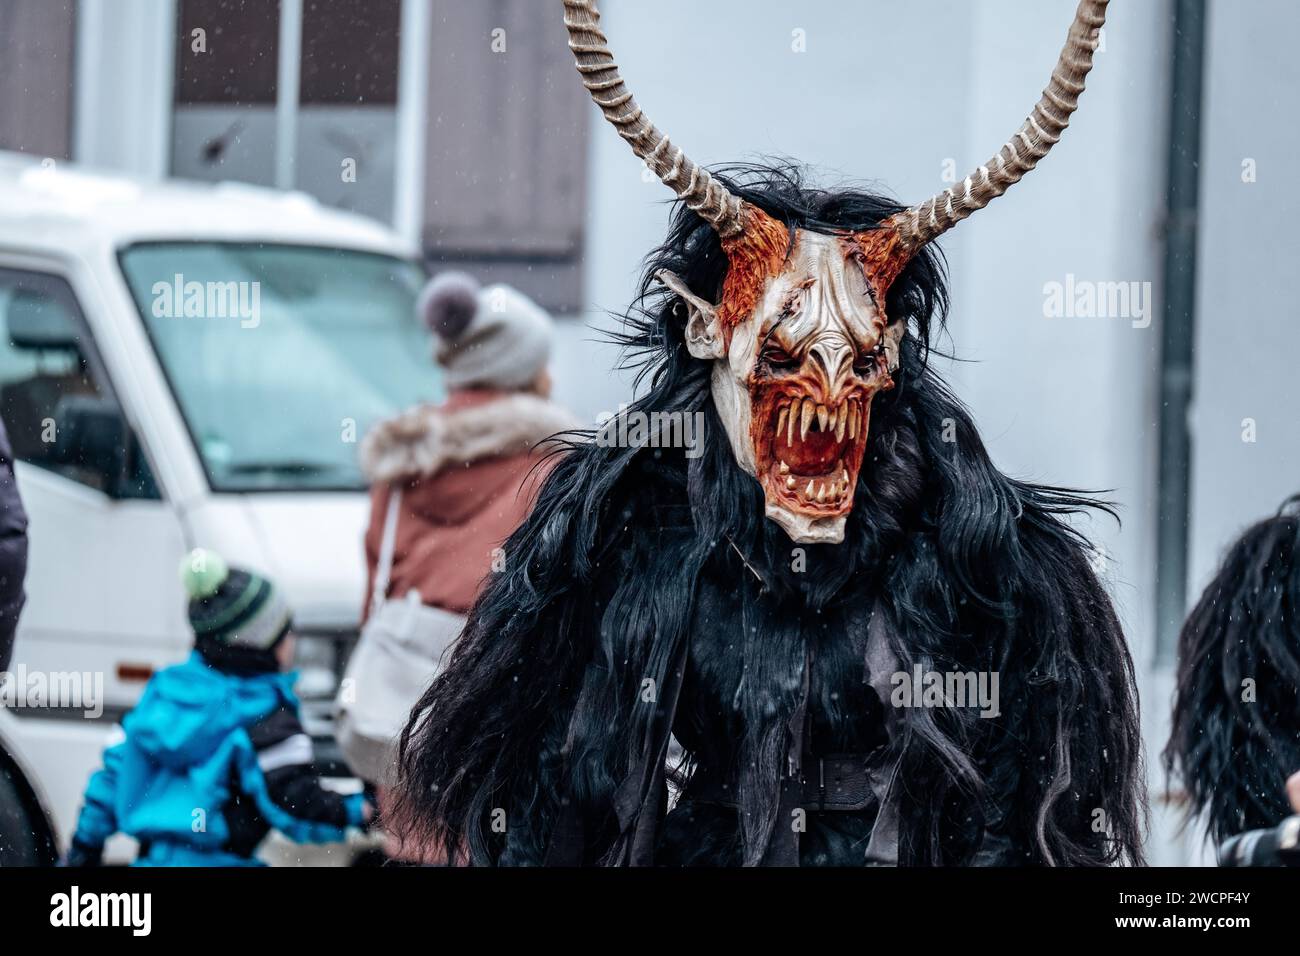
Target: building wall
[[1245, 415], [732, 87], [1075, 400], [123, 85], [1248, 337]]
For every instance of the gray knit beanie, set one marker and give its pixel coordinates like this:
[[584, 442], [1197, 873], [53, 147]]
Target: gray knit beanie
[[488, 337]]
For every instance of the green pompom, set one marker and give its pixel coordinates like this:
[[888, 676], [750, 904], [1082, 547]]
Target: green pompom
[[202, 573]]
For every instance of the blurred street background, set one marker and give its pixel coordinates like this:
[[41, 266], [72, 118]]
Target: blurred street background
[[462, 130]]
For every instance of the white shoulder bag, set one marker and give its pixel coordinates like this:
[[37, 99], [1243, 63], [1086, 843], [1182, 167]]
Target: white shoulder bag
[[398, 654]]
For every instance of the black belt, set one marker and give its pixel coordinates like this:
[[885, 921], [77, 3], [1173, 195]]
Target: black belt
[[834, 782]]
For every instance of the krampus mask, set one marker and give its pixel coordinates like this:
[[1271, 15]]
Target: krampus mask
[[799, 339]]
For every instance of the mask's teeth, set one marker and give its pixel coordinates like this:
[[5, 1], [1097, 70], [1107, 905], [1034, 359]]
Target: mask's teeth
[[789, 425], [781, 418], [853, 420], [808, 492], [790, 483], [785, 469], [842, 423], [830, 418], [822, 417], [805, 418]]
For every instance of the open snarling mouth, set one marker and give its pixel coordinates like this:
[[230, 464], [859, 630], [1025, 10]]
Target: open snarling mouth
[[810, 453]]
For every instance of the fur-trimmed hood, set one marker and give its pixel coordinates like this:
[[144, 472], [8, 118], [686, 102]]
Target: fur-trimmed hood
[[468, 472], [426, 439]]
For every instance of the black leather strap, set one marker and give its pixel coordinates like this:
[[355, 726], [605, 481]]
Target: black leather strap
[[836, 782]]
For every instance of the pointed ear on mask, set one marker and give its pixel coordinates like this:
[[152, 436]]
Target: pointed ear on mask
[[894, 333], [704, 338]]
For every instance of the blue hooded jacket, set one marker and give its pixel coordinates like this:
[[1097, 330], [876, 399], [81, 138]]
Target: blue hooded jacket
[[187, 748]]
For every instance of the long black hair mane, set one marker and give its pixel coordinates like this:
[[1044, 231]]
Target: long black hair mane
[[538, 704], [1235, 736]]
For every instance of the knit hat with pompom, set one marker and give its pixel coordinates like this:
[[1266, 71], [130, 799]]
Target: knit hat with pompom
[[238, 617], [488, 337]]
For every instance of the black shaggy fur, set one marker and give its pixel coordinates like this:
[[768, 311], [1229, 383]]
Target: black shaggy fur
[[1234, 745], [630, 549]]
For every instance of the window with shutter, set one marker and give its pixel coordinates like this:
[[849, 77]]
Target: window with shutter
[[504, 168]]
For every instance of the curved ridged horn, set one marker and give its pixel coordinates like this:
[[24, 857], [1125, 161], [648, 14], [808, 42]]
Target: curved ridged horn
[[600, 75], [930, 219]]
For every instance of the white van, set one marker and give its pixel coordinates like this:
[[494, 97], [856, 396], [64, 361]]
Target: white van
[[181, 365]]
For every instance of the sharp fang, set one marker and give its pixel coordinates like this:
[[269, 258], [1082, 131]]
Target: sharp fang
[[822, 417], [821, 492], [805, 419], [830, 417], [808, 492], [785, 469], [790, 483], [842, 423], [846, 477], [794, 413], [853, 419], [781, 418]]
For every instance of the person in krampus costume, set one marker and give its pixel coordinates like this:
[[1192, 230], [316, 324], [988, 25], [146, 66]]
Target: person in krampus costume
[[766, 600], [1236, 731]]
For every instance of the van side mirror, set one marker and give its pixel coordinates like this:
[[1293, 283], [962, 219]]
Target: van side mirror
[[91, 435]]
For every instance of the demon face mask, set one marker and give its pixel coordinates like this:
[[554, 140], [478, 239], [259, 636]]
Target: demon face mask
[[795, 372], [799, 341]]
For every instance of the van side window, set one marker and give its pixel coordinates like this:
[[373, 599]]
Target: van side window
[[59, 410]]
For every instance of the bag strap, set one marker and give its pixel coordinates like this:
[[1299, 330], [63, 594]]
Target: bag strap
[[387, 545]]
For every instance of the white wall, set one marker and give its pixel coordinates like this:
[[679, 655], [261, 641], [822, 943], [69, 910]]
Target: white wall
[[124, 83], [1074, 401], [1247, 362], [1248, 337], [859, 103]]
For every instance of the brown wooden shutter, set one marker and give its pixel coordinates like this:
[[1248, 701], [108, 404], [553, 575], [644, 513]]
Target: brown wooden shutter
[[37, 43], [506, 163]]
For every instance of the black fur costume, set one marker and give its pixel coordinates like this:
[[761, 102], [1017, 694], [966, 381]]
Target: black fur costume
[[543, 740], [1233, 744]]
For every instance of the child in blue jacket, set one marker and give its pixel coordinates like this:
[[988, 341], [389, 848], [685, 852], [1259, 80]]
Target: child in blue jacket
[[215, 755]]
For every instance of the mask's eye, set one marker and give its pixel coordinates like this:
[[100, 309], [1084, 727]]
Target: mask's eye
[[778, 359], [868, 291], [869, 362]]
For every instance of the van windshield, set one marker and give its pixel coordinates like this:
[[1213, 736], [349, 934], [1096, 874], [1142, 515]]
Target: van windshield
[[281, 357]]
